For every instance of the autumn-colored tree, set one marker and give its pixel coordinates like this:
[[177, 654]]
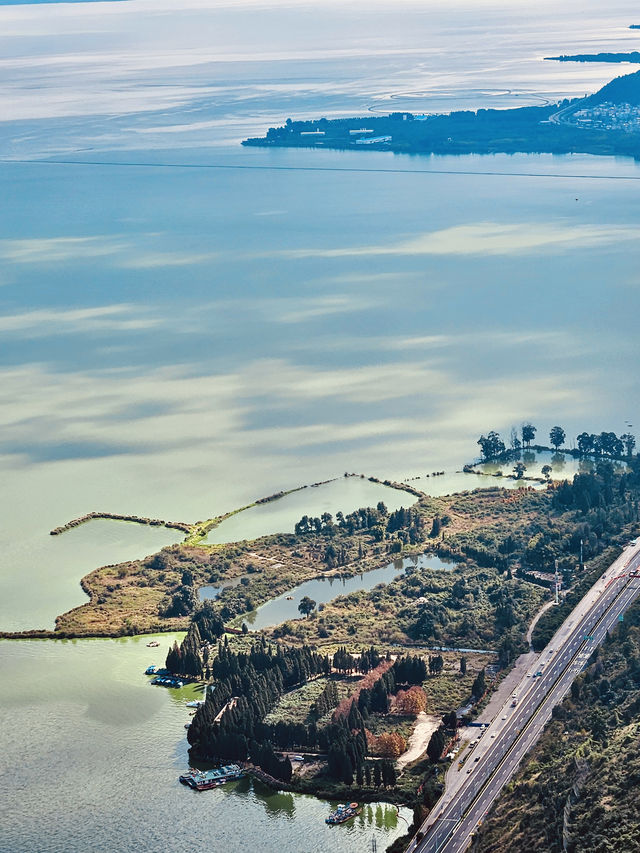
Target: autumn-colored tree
[[391, 744], [412, 701]]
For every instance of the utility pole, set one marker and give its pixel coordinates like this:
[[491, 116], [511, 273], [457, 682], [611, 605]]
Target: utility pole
[[581, 558], [557, 583]]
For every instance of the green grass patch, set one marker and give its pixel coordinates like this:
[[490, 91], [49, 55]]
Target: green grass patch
[[379, 724]]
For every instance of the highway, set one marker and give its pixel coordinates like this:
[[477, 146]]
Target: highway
[[561, 117], [455, 817]]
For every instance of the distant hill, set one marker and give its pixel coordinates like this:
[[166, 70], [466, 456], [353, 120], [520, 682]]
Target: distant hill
[[621, 90]]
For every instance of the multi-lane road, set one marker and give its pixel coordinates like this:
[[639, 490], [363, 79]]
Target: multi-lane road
[[461, 809]]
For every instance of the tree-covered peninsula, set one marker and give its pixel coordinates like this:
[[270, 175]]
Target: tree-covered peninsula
[[598, 124], [327, 703]]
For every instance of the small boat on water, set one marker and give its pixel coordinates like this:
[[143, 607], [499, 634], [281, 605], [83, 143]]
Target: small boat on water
[[153, 644], [150, 670], [203, 780], [343, 813], [195, 703]]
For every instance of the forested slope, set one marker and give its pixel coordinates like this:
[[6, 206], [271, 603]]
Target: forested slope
[[579, 790]]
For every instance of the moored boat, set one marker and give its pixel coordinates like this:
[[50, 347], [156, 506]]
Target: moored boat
[[167, 681], [343, 813]]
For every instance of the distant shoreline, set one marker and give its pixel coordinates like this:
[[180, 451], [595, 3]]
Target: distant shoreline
[[605, 123], [633, 56]]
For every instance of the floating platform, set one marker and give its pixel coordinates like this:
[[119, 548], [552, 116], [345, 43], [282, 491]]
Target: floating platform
[[203, 780]]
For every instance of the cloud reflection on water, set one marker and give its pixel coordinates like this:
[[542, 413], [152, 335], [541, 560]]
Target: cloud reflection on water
[[487, 238], [201, 414]]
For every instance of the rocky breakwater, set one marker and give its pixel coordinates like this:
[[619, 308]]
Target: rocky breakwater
[[114, 516]]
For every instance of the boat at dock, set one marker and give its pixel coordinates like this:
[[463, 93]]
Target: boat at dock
[[203, 780], [343, 813], [151, 670], [168, 681]]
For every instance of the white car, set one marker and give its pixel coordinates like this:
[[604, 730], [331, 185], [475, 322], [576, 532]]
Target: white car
[[493, 734], [504, 716]]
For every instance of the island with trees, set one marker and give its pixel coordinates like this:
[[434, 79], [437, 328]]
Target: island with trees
[[606, 122], [600, 445]]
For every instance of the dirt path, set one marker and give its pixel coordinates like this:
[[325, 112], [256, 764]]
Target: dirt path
[[542, 610], [426, 725]]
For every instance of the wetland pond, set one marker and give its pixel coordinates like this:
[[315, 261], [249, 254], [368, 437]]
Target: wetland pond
[[323, 590], [345, 494]]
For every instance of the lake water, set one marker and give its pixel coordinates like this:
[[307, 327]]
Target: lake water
[[322, 590], [57, 563], [187, 325]]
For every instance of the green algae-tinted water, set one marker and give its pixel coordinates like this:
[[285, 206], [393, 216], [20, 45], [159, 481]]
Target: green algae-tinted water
[[345, 494]]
